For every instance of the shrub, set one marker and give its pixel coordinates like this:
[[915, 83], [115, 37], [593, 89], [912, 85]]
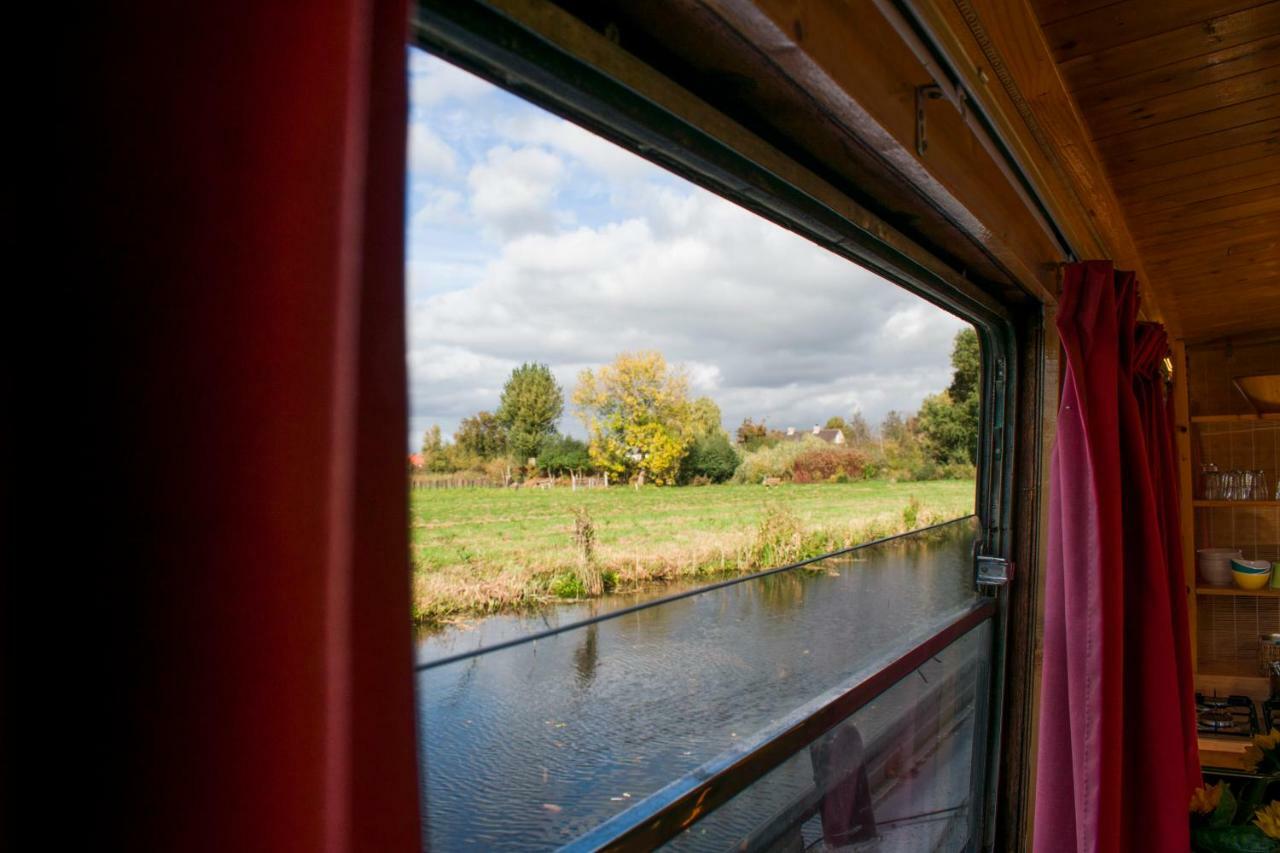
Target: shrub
[[911, 513], [776, 461], [560, 453], [826, 463], [779, 538], [711, 459]]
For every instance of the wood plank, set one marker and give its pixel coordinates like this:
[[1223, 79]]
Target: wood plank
[[1237, 236], [827, 52], [1266, 238], [1195, 39], [1217, 212], [1224, 419], [1186, 513], [1211, 124], [1209, 267], [1226, 290], [1048, 11], [998, 48], [1131, 180], [1241, 205], [1178, 76], [1235, 592], [1119, 160], [1207, 262], [1149, 112], [1235, 176], [1130, 21]]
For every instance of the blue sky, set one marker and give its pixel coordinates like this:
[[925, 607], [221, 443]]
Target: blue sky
[[529, 239]]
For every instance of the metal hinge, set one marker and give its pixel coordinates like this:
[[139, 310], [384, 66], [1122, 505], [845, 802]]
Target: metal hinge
[[993, 573], [924, 94]]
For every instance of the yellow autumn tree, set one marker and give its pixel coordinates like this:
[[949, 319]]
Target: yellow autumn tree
[[638, 416]]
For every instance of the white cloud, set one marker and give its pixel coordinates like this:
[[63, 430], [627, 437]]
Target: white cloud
[[428, 153], [433, 81], [441, 205], [767, 323], [513, 189], [525, 261], [593, 151]]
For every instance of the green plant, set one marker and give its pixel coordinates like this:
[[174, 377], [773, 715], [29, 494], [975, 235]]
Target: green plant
[[567, 585], [779, 537], [911, 513], [711, 459], [584, 539]]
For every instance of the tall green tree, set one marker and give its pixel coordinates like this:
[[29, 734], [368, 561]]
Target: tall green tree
[[482, 435], [705, 416], [949, 421], [529, 409], [966, 366]]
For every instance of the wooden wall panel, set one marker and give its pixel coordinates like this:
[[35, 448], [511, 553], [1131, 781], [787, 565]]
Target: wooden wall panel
[[1181, 99]]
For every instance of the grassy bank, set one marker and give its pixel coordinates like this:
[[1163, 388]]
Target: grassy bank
[[479, 551]]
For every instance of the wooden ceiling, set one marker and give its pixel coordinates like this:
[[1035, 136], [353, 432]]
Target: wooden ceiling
[[1182, 101]]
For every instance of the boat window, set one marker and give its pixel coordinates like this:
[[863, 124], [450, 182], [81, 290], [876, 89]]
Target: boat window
[[692, 502]]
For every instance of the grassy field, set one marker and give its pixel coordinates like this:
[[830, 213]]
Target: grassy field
[[481, 551]]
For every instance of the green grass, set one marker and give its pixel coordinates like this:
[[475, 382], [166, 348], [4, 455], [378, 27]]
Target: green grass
[[487, 550]]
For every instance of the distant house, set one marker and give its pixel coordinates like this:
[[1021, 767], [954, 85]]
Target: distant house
[[830, 436], [416, 461]]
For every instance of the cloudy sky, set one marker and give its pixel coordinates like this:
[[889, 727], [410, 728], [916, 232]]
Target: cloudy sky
[[529, 239]]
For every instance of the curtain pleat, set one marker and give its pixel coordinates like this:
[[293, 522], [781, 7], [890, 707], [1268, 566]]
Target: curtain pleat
[[236, 174], [1116, 759]]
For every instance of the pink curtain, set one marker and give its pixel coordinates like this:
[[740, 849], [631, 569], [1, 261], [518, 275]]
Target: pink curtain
[[1117, 758]]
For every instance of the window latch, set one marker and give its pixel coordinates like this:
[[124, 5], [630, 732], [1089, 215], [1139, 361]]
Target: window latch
[[993, 573]]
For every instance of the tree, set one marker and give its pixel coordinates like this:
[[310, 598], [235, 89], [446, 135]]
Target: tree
[[560, 453], [966, 364], [529, 409], [948, 433], [836, 422], [432, 441], [712, 457], [949, 421], [751, 435], [638, 416], [705, 417], [481, 435], [857, 432], [435, 456]]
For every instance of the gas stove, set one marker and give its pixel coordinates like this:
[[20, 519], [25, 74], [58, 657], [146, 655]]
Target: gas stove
[[1230, 716]]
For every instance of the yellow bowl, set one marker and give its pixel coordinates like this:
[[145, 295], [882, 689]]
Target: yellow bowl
[[1250, 580]]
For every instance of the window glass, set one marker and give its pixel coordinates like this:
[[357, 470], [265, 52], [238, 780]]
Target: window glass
[[627, 390]]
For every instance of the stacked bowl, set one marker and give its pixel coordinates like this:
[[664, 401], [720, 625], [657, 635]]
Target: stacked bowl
[[1250, 574], [1215, 564]]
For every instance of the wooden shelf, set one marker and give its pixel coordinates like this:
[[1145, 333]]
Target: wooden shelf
[[1229, 419], [1265, 592], [1202, 503]]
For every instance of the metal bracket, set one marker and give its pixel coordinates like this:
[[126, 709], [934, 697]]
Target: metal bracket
[[993, 572], [931, 92]]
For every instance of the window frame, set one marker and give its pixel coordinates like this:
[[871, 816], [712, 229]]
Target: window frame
[[620, 99]]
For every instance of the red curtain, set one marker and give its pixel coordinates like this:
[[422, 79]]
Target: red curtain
[[1116, 761], [231, 185]]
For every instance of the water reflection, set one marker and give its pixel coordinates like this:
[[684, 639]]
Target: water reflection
[[587, 656], [530, 746]]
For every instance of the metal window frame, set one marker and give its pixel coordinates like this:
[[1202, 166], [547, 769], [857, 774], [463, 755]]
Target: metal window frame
[[493, 45], [677, 806]]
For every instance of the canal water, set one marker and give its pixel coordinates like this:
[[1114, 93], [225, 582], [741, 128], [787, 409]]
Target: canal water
[[529, 746]]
